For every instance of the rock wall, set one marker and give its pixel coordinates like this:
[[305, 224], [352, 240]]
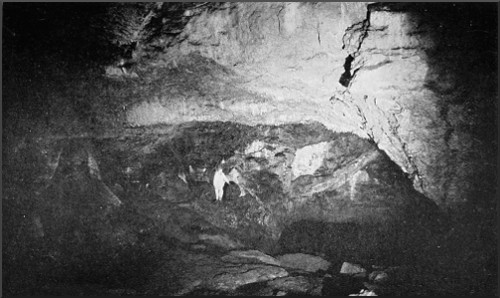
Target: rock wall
[[289, 52], [381, 71], [408, 93]]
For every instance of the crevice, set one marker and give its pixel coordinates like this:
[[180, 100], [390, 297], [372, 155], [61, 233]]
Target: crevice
[[352, 40], [279, 20], [346, 77], [354, 36]]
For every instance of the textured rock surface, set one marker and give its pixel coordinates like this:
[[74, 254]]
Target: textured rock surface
[[200, 270], [394, 87], [69, 160], [288, 44], [254, 255], [297, 285], [288, 53], [290, 173], [404, 86], [348, 268], [304, 261]]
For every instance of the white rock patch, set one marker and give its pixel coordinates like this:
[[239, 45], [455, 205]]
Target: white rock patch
[[308, 159]]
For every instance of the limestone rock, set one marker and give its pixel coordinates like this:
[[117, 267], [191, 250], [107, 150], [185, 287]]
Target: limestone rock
[[379, 277], [187, 272], [254, 254], [409, 88], [402, 90], [297, 285], [304, 261], [364, 293], [352, 269], [235, 276], [289, 53], [308, 159], [401, 94]]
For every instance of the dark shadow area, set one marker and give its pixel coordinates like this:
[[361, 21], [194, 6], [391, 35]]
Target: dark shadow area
[[346, 77]]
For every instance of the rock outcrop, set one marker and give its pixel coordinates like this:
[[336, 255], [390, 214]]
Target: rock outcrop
[[408, 100], [387, 72], [304, 262], [289, 173]]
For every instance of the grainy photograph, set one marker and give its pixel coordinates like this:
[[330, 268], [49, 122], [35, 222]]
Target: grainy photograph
[[249, 148]]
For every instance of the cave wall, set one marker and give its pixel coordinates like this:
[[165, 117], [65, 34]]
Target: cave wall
[[405, 86], [288, 51], [417, 70]]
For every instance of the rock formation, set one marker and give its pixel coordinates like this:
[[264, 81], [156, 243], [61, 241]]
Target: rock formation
[[381, 71]]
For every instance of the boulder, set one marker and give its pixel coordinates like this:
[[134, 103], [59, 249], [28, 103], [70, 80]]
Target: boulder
[[187, 272], [297, 285], [352, 269], [378, 277], [230, 278], [304, 262]]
